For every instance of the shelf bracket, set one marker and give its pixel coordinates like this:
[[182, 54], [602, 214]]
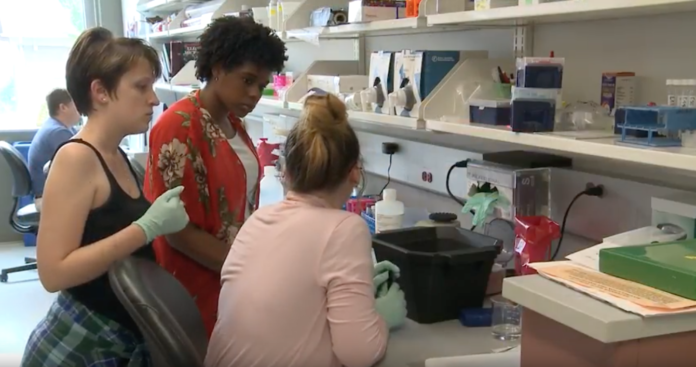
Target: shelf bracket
[[523, 41]]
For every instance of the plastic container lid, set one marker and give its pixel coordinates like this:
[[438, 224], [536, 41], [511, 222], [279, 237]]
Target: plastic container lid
[[490, 103], [269, 171], [389, 195]]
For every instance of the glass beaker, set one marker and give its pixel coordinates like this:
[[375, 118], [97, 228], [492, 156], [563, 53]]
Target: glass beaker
[[507, 319]]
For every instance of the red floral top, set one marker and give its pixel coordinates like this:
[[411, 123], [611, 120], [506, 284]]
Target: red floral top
[[188, 149]]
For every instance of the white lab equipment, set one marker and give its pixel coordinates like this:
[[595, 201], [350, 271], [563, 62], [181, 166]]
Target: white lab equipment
[[389, 213], [271, 189]]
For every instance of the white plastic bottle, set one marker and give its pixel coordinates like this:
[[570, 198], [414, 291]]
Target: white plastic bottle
[[281, 16], [273, 15], [389, 213], [271, 188]]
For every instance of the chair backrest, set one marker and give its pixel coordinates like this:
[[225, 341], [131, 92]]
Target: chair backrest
[[163, 310], [21, 184]]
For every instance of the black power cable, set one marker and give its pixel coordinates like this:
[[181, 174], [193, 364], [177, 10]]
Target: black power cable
[[597, 191], [388, 174], [460, 164]]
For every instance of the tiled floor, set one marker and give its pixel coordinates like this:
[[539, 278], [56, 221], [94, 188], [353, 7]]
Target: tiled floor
[[23, 302]]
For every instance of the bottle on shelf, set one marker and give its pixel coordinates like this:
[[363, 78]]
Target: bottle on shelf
[[280, 17], [273, 15], [271, 189], [389, 212]]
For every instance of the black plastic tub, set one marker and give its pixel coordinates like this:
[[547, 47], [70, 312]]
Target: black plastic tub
[[443, 269]]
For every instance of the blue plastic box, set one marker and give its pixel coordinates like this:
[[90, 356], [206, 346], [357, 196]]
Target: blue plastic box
[[490, 112]]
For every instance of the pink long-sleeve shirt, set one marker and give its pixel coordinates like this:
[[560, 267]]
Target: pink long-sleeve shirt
[[297, 291]]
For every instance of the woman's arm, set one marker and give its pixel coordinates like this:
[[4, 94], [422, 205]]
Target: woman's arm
[[67, 200], [200, 246], [359, 335], [171, 165]]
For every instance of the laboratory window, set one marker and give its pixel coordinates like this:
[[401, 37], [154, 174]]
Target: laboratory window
[[35, 39]]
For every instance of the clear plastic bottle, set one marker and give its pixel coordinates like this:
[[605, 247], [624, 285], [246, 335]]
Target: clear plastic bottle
[[389, 213], [281, 16], [271, 189], [273, 15]]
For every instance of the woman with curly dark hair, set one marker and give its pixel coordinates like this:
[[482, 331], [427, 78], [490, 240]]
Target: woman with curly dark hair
[[200, 143]]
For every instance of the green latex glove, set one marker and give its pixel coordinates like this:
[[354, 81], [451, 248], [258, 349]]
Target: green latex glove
[[383, 270], [483, 205], [392, 306], [166, 215]]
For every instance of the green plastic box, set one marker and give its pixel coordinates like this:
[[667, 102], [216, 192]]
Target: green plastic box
[[669, 267]]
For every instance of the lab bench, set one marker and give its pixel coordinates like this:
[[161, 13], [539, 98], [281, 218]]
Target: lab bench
[[563, 327], [412, 344]]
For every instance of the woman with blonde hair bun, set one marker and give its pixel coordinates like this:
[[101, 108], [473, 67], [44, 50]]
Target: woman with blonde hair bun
[[298, 286]]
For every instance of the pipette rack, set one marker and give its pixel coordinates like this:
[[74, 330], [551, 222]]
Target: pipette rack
[[662, 124]]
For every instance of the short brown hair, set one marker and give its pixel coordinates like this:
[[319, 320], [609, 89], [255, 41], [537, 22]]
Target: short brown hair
[[321, 148], [98, 55], [56, 98]]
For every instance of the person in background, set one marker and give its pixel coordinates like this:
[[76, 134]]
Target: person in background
[[94, 213], [55, 131], [200, 142], [299, 284]]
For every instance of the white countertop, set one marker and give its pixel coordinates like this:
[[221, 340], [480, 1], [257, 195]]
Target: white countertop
[[411, 345], [588, 315]]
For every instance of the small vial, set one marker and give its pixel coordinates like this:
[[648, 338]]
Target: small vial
[[683, 100], [691, 93], [672, 97]]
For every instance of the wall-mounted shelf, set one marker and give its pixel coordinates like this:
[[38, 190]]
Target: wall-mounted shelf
[[218, 9], [675, 158], [163, 7], [563, 11], [380, 27], [606, 148]]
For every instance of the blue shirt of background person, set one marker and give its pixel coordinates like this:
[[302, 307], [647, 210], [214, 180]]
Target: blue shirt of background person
[[57, 129]]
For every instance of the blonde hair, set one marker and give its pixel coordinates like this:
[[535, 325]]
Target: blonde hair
[[321, 148], [98, 55]]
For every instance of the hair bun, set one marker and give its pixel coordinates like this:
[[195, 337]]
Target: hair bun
[[324, 111]]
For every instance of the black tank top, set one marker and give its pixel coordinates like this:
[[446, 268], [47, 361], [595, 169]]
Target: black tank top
[[118, 212]]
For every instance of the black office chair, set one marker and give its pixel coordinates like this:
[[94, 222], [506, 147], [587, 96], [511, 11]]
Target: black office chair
[[163, 310], [25, 219]]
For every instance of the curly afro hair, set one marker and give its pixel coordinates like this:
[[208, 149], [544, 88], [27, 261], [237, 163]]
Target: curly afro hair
[[233, 41]]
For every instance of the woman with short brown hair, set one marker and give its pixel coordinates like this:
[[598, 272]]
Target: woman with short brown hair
[[94, 212]]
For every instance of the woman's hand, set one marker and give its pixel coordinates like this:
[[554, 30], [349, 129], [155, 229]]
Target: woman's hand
[[166, 215], [383, 272]]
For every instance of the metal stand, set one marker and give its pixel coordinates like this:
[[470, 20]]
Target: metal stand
[[30, 265]]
